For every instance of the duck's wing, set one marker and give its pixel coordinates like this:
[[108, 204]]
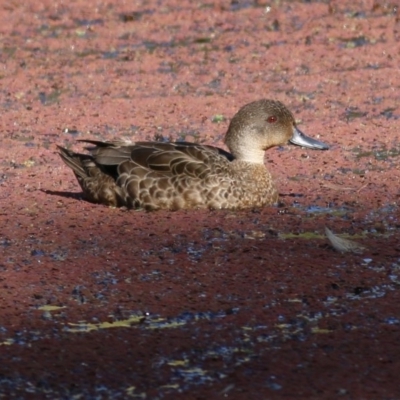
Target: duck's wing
[[167, 159]]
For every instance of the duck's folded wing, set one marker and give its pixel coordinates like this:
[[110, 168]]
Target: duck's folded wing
[[186, 159], [110, 153], [183, 158]]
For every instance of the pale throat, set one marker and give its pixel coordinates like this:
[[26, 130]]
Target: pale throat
[[250, 155]]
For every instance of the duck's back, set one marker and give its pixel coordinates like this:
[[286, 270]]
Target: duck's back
[[169, 158]]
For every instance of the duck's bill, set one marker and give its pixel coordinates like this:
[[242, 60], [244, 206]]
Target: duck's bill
[[300, 139]]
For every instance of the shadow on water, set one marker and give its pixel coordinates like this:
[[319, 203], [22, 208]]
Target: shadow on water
[[67, 195]]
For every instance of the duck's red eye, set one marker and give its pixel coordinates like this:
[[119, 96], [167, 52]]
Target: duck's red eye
[[272, 119]]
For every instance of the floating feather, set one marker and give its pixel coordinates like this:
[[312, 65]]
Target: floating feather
[[343, 245]]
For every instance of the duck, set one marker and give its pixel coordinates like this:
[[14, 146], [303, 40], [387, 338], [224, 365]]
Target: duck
[[184, 175]]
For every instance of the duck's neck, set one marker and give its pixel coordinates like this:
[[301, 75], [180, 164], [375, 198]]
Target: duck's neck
[[249, 155]]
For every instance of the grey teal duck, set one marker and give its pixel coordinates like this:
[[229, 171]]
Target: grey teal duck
[[182, 175]]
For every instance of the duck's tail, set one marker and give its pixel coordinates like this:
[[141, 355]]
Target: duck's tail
[[79, 163], [98, 186]]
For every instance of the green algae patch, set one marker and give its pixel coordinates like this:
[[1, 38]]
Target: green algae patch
[[88, 327], [304, 235], [320, 331], [7, 342], [49, 308], [380, 154], [315, 235]]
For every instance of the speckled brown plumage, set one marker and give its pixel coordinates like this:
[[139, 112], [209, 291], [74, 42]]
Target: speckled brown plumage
[[154, 175]]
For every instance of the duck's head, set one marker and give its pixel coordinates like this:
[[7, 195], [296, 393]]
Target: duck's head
[[262, 124]]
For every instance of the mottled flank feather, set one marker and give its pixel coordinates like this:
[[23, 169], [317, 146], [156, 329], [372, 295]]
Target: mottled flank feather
[[154, 175]]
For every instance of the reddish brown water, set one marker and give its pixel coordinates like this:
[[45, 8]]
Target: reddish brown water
[[106, 303]]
